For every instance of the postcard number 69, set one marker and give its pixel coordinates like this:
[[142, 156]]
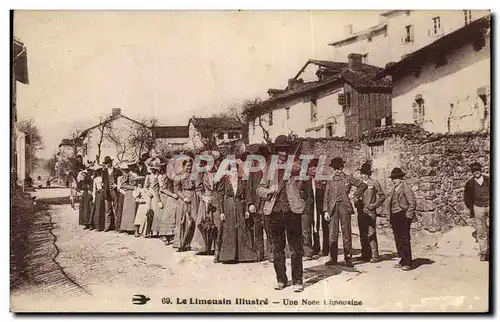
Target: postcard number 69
[[165, 300]]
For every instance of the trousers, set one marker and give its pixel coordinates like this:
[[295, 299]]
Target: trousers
[[340, 217], [311, 238], [367, 224], [286, 225], [482, 215], [401, 229], [109, 206]]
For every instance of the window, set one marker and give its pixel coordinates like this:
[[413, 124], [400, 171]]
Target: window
[[467, 16], [270, 117], [388, 120], [287, 113], [329, 131], [408, 35], [314, 110], [85, 149], [220, 135], [376, 149], [364, 58], [378, 122], [436, 25], [419, 111]]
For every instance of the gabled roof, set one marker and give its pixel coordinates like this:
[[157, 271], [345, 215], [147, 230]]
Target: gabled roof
[[445, 44], [207, 125], [170, 132], [20, 61], [108, 120]]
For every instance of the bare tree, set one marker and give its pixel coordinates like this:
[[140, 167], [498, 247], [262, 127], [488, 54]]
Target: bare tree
[[103, 127], [141, 138]]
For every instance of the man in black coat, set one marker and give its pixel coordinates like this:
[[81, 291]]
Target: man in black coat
[[109, 183], [477, 200]]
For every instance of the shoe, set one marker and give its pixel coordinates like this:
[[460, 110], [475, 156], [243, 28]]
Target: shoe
[[406, 268], [106, 230], [331, 263], [317, 256], [216, 260], [308, 258], [297, 288], [375, 260], [349, 263], [484, 258], [364, 259], [280, 286], [397, 266], [270, 260]]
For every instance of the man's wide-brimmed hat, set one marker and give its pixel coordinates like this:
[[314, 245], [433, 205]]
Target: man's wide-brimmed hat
[[137, 179], [366, 168], [155, 164], [397, 173], [282, 142], [337, 163], [476, 166], [215, 154], [108, 160]]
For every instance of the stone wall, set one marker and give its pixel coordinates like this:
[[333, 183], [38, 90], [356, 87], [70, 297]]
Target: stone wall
[[437, 168]]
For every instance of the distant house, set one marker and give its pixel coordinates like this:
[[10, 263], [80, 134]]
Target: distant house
[[445, 86], [19, 73], [118, 137], [324, 99], [70, 148], [205, 131], [172, 137]]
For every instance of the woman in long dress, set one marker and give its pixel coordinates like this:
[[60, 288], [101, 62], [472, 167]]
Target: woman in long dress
[[129, 205], [120, 196], [188, 192], [208, 219], [85, 207], [168, 212], [237, 232], [99, 211]]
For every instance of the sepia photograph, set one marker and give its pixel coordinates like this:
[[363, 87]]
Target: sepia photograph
[[250, 161]]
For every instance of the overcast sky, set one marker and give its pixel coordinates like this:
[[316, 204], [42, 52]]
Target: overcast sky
[[167, 64]]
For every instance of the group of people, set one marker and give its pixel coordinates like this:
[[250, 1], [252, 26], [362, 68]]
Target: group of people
[[228, 217]]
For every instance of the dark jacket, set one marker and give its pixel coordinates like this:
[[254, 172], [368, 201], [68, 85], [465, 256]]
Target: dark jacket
[[470, 193], [373, 197], [338, 189], [108, 192]]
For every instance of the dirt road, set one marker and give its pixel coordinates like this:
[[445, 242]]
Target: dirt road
[[113, 267]]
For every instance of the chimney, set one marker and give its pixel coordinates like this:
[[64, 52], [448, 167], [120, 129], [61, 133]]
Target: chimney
[[354, 60], [348, 30], [116, 112]]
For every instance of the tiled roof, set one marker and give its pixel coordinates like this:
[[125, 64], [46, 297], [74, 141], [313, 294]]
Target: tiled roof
[[360, 35], [170, 132], [20, 58], [444, 44], [400, 129]]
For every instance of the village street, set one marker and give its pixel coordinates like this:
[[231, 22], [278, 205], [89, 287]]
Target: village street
[[111, 268]]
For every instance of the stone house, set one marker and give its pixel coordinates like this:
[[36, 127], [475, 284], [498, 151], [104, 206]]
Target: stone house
[[324, 99], [445, 86], [401, 32], [211, 132], [117, 136], [173, 138]]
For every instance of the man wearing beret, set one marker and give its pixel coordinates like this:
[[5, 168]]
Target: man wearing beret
[[337, 208], [477, 200]]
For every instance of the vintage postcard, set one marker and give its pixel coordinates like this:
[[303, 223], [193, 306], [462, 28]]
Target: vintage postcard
[[250, 161]]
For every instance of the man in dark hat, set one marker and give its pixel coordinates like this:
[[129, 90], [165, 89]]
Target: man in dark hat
[[373, 198], [109, 184], [477, 200], [400, 206], [283, 208], [140, 166], [338, 208]]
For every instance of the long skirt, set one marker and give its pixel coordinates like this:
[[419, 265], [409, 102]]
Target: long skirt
[[85, 209], [180, 212], [196, 242], [141, 217], [128, 213], [155, 212], [99, 216], [166, 215], [237, 233]]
